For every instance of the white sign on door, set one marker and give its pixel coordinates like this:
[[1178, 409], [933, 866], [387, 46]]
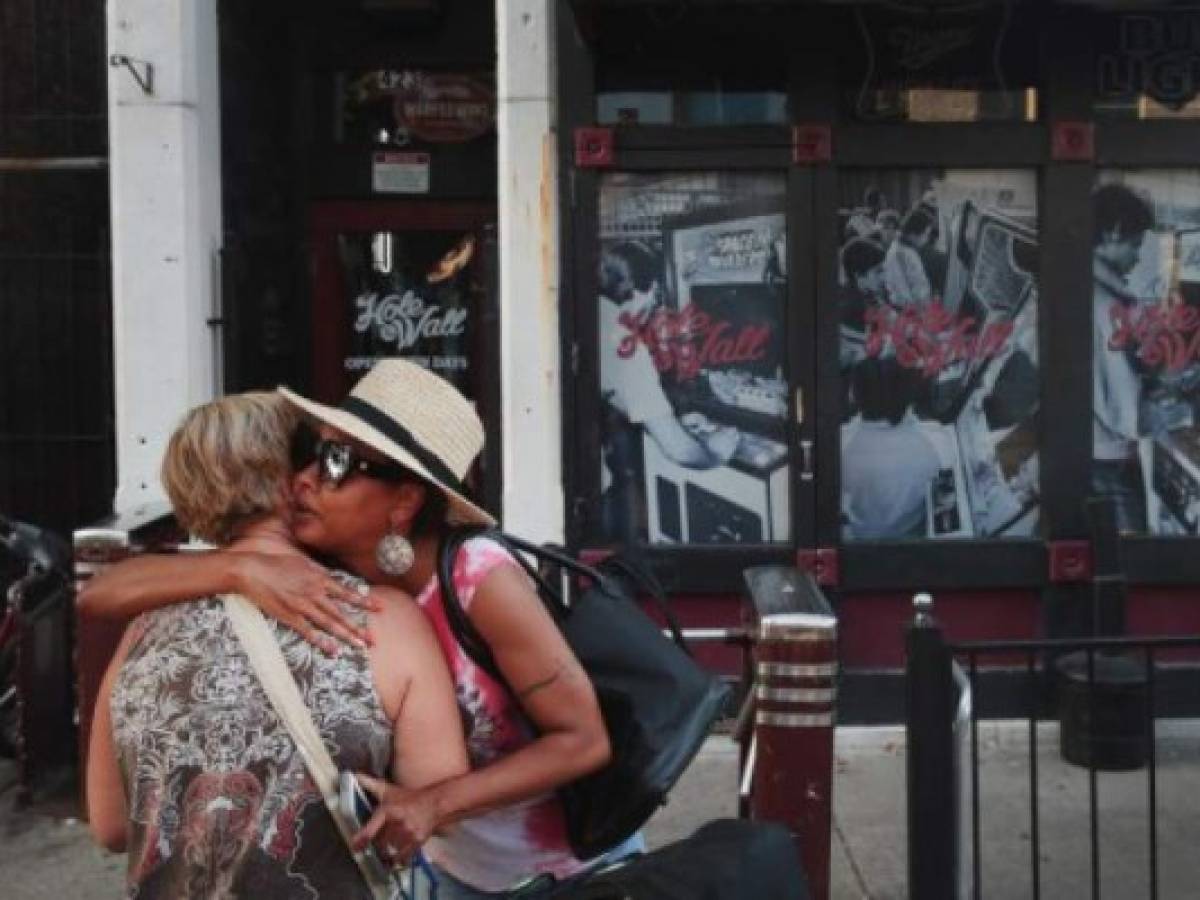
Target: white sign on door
[[400, 173]]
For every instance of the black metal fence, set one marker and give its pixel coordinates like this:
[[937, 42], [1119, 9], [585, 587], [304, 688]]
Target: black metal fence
[[1108, 722]]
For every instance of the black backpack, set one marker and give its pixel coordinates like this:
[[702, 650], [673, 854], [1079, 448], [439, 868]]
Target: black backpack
[[658, 704]]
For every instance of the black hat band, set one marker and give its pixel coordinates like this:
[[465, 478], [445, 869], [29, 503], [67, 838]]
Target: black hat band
[[397, 433]]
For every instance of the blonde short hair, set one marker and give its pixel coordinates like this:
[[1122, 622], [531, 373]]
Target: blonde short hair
[[227, 462]]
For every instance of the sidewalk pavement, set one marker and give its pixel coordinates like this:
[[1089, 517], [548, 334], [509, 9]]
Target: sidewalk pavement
[[46, 855]]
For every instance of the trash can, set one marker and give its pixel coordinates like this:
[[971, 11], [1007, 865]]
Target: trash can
[[1103, 724], [791, 754]]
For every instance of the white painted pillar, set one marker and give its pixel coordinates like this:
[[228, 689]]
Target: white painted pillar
[[529, 357], [165, 165]]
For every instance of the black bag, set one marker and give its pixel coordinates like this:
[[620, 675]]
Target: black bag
[[657, 704], [729, 859]]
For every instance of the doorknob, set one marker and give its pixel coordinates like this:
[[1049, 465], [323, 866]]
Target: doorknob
[[806, 460], [799, 406]]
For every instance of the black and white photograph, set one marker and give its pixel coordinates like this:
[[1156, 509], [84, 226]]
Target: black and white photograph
[[937, 276], [693, 284], [1146, 351]]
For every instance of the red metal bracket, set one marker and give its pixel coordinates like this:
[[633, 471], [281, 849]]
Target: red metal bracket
[[812, 143], [1072, 142], [594, 148], [822, 563], [1070, 561], [594, 557]]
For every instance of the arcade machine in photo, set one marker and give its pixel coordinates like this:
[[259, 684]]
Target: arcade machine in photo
[[1173, 401], [726, 294], [984, 406]]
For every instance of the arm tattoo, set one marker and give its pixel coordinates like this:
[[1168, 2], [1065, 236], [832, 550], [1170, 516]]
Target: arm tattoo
[[538, 685]]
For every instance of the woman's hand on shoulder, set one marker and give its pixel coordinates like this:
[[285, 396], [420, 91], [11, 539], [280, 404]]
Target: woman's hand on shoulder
[[303, 595]]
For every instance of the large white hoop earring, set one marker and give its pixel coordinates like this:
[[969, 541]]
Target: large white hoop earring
[[394, 554]]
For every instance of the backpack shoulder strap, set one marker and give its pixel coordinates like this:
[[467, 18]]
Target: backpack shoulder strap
[[464, 630], [643, 581]]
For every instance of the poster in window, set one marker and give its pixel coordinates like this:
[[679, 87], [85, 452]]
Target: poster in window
[[692, 278], [1146, 350], [937, 281], [411, 294]]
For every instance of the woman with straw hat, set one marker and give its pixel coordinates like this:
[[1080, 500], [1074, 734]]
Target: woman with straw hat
[[386, 481]]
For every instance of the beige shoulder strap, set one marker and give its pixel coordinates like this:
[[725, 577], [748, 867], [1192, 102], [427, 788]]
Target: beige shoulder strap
[[273, 672]]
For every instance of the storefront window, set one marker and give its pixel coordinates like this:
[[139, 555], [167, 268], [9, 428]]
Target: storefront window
[[412, 294], [939, 354], [693, 65], [691, 107], [1146, 355], [1148, 65], [693, 375], [965, 62]]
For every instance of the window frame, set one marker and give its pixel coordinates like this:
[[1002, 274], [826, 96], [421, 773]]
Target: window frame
[[1064, 322]]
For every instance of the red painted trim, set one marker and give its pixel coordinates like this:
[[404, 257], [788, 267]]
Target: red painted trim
[[330, 341], [822, 563], [1072, 142], [594, 557], [1069, 561], [595, 148], [812, 143]]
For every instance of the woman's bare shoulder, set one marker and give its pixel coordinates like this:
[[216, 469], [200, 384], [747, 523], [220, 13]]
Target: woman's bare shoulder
[[403, 643], [399, 620]]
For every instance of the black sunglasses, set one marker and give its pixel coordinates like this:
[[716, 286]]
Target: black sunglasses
[[336, 460]]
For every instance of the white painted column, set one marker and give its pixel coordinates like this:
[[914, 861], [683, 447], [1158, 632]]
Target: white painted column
[[529, 357], [165, 165]]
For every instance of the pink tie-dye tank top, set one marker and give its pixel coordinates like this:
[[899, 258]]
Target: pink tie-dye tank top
[[495, 850]]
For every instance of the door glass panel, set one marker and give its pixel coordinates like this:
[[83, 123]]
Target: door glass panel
[[937, 280], [970, 62], [1146, 355], [693, 376], [412, 294], [699, 107]]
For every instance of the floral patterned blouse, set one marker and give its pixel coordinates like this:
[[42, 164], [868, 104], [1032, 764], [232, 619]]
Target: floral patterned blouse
[[220, 801]]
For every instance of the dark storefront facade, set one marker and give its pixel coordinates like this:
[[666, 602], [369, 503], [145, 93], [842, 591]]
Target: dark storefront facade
[[890, 289], [359, 181], [56, 409], [887, 290]]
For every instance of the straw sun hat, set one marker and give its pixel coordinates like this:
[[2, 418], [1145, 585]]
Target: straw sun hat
[[417, 419]]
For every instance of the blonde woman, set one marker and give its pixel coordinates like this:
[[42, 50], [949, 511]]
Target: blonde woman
[[189, 768]]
